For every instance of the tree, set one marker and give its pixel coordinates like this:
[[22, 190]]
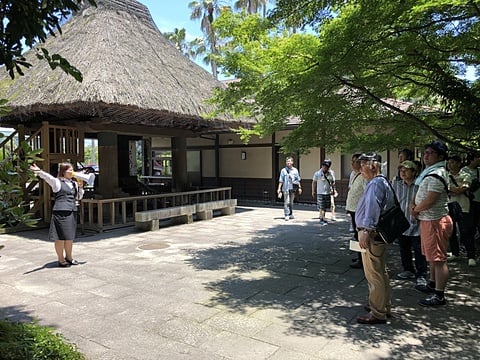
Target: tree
[[206, 11], [251, 6], [26, 23], [190, 49], [29, 22], [368, 74]]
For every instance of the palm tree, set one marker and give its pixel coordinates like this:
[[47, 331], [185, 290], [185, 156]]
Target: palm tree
[[206, 10], [252, 6], [177, 38]]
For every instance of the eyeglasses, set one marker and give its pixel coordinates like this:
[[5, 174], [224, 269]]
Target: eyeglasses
[[429, 152]]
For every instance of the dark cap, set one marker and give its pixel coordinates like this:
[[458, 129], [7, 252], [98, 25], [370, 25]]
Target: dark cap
[[327, 163], [371, 156], [438, 146], [455, 157]]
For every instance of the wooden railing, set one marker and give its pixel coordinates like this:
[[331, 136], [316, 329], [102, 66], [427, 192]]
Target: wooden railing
[[105, 214], [10, 144]]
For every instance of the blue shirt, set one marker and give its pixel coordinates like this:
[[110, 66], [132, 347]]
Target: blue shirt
[[288, 177], [376, 200]]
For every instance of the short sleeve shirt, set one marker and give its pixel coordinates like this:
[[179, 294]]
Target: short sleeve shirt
[[463, 178], [324, 186], [355, 191], [473, 175], [432, 184]]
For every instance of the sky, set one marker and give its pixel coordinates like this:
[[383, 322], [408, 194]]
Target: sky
[[171, 14]]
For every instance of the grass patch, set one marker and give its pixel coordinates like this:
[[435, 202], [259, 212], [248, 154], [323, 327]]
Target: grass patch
[[20, 341]]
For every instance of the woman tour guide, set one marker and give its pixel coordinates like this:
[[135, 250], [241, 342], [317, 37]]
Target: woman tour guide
[[63, 225]]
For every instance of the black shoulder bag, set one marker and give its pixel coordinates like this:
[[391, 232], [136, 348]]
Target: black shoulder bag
[[295, 187], [393, 223]]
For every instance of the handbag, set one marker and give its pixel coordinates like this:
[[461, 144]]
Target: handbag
[[455, 210], [393, 222]]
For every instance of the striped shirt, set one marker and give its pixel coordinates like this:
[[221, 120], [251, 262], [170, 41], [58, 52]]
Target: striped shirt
[[405, 194], [431, 184]]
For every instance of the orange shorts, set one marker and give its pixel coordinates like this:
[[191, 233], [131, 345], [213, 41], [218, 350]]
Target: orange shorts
[[434, 237]]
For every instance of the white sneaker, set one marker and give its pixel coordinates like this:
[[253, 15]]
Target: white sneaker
[[287, 218], [472, 262], [292, 217], [452, 258], [421, 281]]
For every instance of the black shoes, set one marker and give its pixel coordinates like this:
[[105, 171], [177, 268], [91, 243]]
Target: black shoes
[[72, 262], [68, 263]]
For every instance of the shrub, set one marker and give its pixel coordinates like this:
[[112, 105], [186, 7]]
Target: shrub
[[14, 173], [20, 341]]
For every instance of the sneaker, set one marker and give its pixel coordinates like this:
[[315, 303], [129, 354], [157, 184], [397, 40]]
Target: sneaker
[[421, 281], [323, 222], [287, 218], [472, 262], [334, 219], [406, 275], [452, 258], [424, 287], [292, 217], [433, 300]]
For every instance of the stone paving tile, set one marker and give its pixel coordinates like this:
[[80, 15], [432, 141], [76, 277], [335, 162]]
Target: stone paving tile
[[246, 286], [234, 346]]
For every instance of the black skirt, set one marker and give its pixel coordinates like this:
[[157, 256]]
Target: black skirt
[[63, 225]]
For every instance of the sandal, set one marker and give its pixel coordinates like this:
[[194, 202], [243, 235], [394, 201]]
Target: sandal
[[72, 262]]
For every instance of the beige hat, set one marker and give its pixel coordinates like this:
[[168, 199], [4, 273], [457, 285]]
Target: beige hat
[[407, 164]]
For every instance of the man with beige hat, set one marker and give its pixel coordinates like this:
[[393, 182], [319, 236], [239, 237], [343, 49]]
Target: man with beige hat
[[410, 240]]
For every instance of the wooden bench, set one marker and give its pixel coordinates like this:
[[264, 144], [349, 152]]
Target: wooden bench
[[204, 211], [150, 219]]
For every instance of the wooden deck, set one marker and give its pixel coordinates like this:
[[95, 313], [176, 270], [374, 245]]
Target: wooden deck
[[106, 214]]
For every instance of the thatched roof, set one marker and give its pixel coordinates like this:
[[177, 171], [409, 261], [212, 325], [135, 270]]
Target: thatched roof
[[131, 75]]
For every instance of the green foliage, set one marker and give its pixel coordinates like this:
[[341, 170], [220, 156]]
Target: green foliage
[[368, 74], [19, 341], [4, 109], [57, 60], [190, 49], [14, 173], [27, 22]]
